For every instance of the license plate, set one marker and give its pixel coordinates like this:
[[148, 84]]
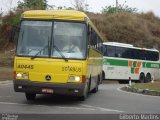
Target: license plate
[[47, 90]]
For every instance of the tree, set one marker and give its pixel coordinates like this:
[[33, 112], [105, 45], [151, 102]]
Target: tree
[[32, 4], [118, 8], [80, 5]]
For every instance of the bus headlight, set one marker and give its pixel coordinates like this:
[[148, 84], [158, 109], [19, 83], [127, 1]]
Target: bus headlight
[[74, 79], [25, 76], [20, 75], [77, 79]]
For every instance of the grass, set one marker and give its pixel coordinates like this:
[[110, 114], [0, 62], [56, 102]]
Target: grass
[[150, 86], [110, 82], [6, 73]]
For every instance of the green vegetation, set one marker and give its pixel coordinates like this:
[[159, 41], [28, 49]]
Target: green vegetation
[[120, 8], [33, 4], [148, 86]]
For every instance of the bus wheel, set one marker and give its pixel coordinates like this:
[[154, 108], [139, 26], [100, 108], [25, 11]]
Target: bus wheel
[[142, 78], [148, 78], [30, 96], [103, 75], [97, 85], [95, 89], [85, 94]]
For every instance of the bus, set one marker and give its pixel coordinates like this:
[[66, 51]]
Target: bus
[[125, 62], [43, 66]]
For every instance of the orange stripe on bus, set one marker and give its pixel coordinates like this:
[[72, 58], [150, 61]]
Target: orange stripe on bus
[[139, 64], [137, 70], [130, 63]]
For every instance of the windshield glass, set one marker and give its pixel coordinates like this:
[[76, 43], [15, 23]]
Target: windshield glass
[[34, 38], [70, 39], [39, 38]]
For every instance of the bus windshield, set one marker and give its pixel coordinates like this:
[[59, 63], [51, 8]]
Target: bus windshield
[[39, 38]]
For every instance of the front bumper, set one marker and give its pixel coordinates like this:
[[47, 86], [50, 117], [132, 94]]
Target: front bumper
[[27, 86]]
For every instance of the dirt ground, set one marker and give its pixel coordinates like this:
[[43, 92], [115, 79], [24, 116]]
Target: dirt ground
[[6, 73]]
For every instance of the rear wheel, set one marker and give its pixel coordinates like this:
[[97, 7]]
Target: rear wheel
[[95, 89], [103, 75], [142, 78], [30, 96], [148, 78], [97, 85]]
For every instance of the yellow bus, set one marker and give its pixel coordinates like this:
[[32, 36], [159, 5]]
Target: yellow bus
[[58, 52]]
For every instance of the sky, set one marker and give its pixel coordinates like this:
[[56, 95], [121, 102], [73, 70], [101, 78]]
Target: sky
[[95, 5]]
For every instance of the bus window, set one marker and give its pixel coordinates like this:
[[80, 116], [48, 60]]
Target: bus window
[[110, 51], [154, 56], [120, 52], [70, 39], [93, 39], [34, 37], [127, 53]]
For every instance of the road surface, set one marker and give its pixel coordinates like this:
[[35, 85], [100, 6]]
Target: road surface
[[109, 99]]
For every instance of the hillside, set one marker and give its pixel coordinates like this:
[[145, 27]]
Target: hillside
[[141, 30]]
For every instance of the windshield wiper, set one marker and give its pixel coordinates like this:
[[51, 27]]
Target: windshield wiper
[[59, 51], [39, 52]]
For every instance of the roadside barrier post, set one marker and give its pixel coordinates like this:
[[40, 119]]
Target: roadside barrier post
[[152, 81], [130, 82]]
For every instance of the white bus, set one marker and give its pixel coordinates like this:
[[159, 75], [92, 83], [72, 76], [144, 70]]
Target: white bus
[[124, 61]]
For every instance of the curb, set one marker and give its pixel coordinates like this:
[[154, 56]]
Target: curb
[[140, 91]]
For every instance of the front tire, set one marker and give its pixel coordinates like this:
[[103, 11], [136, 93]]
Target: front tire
[[85, 93], [30, 96]]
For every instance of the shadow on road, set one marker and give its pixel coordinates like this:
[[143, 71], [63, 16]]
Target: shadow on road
[[52, 100]]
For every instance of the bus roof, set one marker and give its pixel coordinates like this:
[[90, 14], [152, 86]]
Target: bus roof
[[118, 44], [127, 46], [55, 14]]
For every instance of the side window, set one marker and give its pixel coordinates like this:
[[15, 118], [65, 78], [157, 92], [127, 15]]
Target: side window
[[148, 55], [120, 52], [136, 54], [110, 51], [155, 56], [142, 54], [94, 41], [128, 53]]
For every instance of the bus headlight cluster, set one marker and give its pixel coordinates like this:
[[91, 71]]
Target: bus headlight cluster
[[20, 75], [74, 79]]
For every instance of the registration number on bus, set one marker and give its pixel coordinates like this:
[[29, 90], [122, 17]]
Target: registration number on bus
[[47, 90]]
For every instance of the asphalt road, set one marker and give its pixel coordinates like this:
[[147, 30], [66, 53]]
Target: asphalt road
[[109, 99]]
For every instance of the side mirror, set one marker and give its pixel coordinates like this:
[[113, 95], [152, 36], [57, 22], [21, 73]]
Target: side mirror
[[13, 33]]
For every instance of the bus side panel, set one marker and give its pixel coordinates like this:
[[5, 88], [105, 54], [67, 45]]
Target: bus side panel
[[119, 69], [94, 67]]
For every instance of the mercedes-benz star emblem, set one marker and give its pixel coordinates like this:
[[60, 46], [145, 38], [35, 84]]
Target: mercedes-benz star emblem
[[48, 77]]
